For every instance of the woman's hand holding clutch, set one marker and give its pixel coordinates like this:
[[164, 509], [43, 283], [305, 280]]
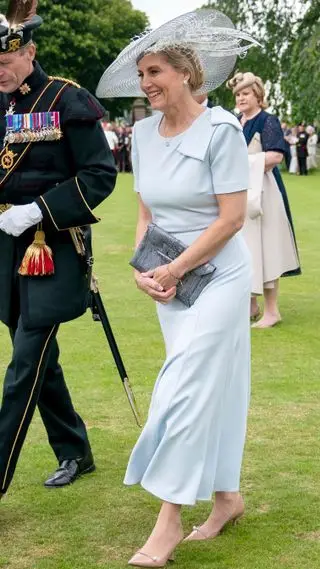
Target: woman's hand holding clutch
[[160, 249], [165, 276], [148, 284]]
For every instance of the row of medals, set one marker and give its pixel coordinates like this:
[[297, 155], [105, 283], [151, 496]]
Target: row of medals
[[42, 135], [23, 135]]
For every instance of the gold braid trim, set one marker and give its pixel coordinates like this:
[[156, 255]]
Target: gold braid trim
[[69, 81], [4, 207]]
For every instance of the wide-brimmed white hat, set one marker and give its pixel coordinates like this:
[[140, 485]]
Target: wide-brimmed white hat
[[207, 32]]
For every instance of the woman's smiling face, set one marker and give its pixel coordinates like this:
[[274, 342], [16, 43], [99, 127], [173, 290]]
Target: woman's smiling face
[[162, 84]]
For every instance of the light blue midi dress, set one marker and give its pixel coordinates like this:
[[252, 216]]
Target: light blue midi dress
[[193, 440]]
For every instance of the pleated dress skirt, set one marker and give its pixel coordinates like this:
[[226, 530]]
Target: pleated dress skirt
[[192, 443]]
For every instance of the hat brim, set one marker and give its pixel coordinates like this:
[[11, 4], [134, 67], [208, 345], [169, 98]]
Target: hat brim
[[209, 32]]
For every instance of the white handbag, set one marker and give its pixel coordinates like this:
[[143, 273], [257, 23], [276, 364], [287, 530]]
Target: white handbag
[[254, 199]]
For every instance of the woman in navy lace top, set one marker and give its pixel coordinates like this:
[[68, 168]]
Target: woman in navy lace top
[[269, 228]]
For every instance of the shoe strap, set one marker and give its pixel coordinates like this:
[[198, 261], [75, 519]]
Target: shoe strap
[[155, 559], [197, 529]]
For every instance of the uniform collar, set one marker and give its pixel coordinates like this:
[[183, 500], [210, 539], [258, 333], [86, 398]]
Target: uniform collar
[[197, 139], [31, 84]]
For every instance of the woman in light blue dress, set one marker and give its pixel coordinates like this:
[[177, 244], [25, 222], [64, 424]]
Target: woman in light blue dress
[[191, 173]]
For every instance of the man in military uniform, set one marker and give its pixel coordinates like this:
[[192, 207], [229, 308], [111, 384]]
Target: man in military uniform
[[302, 149], [286, 135], [55, 168]]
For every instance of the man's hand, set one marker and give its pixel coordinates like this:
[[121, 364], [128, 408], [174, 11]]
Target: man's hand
[[18, 218]]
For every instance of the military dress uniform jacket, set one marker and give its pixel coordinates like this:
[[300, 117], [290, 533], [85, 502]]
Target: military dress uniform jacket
[[302, 148], [67, 178]]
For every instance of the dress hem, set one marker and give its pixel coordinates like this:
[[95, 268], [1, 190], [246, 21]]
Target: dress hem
[[287, 273], [171, 500]]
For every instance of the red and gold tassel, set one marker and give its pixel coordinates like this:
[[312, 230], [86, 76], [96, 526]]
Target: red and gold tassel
[[37, 261]]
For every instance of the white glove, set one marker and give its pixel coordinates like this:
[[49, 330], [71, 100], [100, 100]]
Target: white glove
[[18, 218]]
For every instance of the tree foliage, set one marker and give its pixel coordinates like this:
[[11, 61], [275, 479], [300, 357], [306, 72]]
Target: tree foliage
[[275, 24], [79, 39], [301, 72]]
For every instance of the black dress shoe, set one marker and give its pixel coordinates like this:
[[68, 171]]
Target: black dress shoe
[[69, 470]]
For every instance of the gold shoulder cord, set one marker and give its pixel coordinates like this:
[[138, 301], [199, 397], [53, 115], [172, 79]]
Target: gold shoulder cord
[[69, 81]]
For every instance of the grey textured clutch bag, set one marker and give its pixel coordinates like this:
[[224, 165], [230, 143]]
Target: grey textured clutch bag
[[158, 248]]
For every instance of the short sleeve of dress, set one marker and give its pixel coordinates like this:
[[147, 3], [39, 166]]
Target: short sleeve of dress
[[272, 135], [135, 160], [229, 162]]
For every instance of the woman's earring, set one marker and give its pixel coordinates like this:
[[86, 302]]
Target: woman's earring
[[185, 81]]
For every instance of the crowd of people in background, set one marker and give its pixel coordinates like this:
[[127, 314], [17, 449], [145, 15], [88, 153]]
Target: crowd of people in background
[[300, 157], [119, 139], [301, 154]]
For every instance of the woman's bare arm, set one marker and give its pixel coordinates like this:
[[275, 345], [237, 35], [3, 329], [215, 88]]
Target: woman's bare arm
[[146, 283], [144, 218], [272, 160], [232, 211]]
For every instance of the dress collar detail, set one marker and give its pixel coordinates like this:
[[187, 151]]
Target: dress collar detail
[[196, 141]]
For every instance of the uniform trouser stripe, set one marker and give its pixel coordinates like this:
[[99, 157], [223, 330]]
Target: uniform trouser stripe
[[27, 406]]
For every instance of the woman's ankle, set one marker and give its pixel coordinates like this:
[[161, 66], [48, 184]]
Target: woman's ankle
[[272, 315], [170, 514], [227, 496]]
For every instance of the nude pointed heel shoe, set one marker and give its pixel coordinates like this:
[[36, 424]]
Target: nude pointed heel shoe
[[198, 534], [149, 560]]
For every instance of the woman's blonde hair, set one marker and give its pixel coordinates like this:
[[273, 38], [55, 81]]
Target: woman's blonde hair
[[182, 58], [242, 80]]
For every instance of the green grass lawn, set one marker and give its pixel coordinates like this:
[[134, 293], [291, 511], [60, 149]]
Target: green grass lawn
[[97, 522]]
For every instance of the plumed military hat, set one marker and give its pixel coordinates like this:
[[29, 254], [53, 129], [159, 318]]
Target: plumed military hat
[[17, 25]]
